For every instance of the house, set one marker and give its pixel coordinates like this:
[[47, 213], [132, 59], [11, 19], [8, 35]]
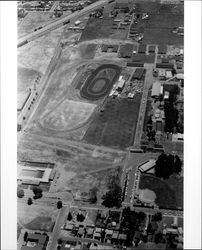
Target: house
[[177, 137], [162, 74], [35, 242], [122, 238], [169, 74], [96, 236], [114, 238], [89, 232], [80, 232], [68, 227]]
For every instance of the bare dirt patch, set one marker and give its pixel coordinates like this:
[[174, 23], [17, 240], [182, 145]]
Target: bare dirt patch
[[67, 115]]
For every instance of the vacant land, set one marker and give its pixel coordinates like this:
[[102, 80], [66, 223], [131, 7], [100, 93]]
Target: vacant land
[[36, 217], [33, 20], [97, 28], [67, 115], [115, 127], [162, 19], [169, 192], [88, 51]]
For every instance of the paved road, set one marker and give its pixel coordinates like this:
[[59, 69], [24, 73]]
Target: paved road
[[59, 223], [42, 87], [57, 23], [55, 4], [142, 109]]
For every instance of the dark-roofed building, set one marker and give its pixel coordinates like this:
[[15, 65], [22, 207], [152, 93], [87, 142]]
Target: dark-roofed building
[[35, 242], [165, 65]]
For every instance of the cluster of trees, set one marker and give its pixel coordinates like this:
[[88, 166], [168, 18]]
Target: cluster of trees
[[131, 221], [171, 113], [59, 204], [80, 217], [37, 193], [93, 195], [157, 217], [166, 165], [20, 193], [113, 197]]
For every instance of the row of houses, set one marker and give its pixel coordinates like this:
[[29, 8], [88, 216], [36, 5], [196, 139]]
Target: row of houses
[[95, 233]]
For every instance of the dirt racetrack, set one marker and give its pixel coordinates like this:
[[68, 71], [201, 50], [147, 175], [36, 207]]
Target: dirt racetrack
[[100, 82]]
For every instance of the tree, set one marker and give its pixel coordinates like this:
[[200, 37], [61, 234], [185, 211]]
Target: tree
[[25, 236], [37, 193], [29, 201], [59, 204], [141, 216], [93, 195], [60, 241], [37, 190], [157, 217], [80, 217], [37, 196], [113, 197], [177, 165], [69, 217], [20, 193]]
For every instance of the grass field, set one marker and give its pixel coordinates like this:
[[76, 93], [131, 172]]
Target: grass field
[[115, 126], [41, 223], [165, 21], [162, 19], [97, 28], [161, 36], [169, 192]]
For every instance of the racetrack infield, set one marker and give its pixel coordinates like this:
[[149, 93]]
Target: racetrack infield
[[100, 82], [115, 126]]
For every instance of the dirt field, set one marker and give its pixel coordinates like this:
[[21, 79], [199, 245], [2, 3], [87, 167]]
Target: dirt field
[[88, 51], [36, 217], [115, 127], [67, 115], [33, 20]]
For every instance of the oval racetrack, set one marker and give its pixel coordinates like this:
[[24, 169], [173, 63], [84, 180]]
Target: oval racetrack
[[100, 82]]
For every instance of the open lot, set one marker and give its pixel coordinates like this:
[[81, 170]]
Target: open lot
[[161, 36], [169, 193], [67, 115], [88, 51], [97, 28], [36, 217], [115, 127], [33, 20]]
